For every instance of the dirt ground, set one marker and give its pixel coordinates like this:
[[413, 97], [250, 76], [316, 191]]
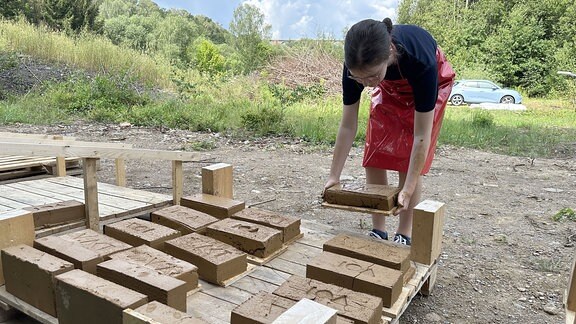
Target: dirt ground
[[504, 259]]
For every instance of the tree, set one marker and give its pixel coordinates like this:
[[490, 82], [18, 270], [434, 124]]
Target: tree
[[206, 57], [250, 32]]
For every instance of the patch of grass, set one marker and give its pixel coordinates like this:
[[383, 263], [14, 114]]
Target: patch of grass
[[553, 264], [565, 214], [200, 146], [501, 239], [468, 240]]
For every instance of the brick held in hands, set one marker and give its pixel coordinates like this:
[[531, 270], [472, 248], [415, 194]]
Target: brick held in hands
[[57, 213], [162, 262], [84, 298], [289, 226], [16, 227], [101, 244], [218, 207], [357, 275], [216, 261], [262, 308], [368, 249], [373, 196], [254, 239], [158, 313], [359, 307], [137, 231], [183, 219], [30, 275], [156, 286], [81, 257]]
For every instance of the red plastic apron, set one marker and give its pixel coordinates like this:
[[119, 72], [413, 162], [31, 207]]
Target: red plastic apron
[[390, 131]]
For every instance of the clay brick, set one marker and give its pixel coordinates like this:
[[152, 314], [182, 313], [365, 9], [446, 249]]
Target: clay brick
[[156, 286], [372, 196], [359, 307], [218, 207], [287, 225], [30, 275], [57, 213], [99, 243], [257, 240], [357, 275], [183, 219], [262, 308], [157, 313], [137, 231], [16, 227], [372, 250], [81, 257], [216, 261], [161, 262], [84, 298]]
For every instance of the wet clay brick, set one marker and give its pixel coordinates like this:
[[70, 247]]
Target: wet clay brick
[[369, 249], [16, 227], [183, 219], [30, 275], [157, 313], [357, 275], [359, 307], [81, 257], [156, 286], [257, 240], [161, 262], [84, 298], [287, 225], [262, 308], [99, 243], [57, 213], [137, 231], [216, 261], [372, 196], [218, 207]]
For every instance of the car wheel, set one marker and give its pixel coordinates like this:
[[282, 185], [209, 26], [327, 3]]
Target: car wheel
[[457, 100], [507, 100]]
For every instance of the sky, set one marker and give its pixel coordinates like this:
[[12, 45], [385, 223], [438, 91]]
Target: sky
[[294, 19]]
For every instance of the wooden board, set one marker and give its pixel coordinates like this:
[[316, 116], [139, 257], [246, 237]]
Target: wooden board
[[260, 261], [360, 209]]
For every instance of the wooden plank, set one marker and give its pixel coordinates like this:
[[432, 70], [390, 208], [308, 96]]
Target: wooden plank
[[217, 180], [25, 197], [571, 291], [120, 172], [360, 209], [254, 285], [270, 275], [209, 309], [230, 294], [570, 317], [8, 204], [11, 135], [177, 182], [314, 238], [300, 253], [94, 152], [26, 308], [91, 194], [287, 266], [60, 141]]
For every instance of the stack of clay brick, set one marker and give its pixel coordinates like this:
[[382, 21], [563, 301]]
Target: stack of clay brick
[[355, 275], [147, 267]]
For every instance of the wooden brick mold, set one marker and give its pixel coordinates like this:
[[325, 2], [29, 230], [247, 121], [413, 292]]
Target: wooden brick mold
[[84, 298], [219, 207], [162, 262], [158, 313], [81, 257], [16, 227], [183, 219], [137, 231], [57, 213], [156, 286], [257, 240], [357, 275], [216, 261], [376, 251], [427, 227], [287, 225], [101, 244], [262, 308], [356, 306], [30, 275], [371, 196]]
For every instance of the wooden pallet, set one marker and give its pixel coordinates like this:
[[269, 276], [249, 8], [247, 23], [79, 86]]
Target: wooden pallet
[[15, 166]]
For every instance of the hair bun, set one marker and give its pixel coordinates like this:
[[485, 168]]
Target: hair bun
[[388, 23]]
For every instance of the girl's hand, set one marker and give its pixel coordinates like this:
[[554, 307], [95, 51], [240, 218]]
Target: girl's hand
[[331, 182], [403, 201]]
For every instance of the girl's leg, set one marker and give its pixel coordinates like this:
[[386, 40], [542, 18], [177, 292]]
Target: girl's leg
[[405, 224], [377, 176]]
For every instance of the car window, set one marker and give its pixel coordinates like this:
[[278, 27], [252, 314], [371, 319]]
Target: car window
[[471, 84], [486, 85]]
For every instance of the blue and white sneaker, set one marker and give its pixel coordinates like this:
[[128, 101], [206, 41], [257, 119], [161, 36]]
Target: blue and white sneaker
[[383, 235], [402, 239]]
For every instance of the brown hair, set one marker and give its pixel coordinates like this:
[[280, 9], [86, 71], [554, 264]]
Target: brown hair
[[367, 43]]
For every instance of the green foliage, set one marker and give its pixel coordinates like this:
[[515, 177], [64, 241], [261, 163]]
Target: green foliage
[[482, 119], [265, 120], [288, 96], [249, 32], [565, 214], [8, 60], [207, 57]]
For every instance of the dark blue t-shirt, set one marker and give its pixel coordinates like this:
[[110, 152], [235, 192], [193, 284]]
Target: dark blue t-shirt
[[416, 63]]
